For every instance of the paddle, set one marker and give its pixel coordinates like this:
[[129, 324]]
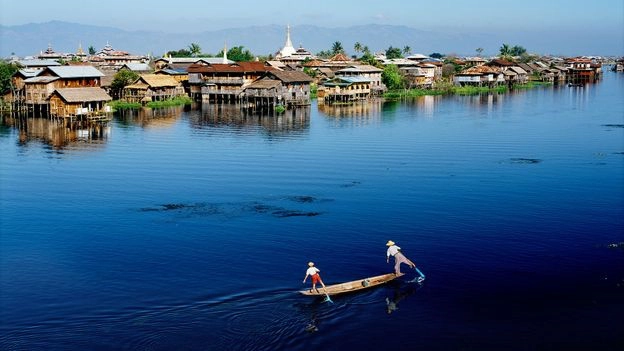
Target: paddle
[[422, 276]]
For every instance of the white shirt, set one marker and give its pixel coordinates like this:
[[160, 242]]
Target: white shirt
[[392, 250], [312, 271]]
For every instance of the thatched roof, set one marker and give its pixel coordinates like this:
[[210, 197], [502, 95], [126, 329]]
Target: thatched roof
[[291, 76], [339, 57], [82, 94], [156, 81], [264, 83]]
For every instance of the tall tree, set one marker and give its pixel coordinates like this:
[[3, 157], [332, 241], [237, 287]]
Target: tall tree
[[517, 50], [91, 50], [505, 50], [194, 49], [238, 54], [337, 48], [393, 53], [479, 51], [122, 79], [407, 50], [357, 47], [392, 78], [7, 70]]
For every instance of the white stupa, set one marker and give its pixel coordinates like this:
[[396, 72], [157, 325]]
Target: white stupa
[[288, 49]]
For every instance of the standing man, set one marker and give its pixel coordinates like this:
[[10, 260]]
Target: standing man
[[395, 251], [313, 273]]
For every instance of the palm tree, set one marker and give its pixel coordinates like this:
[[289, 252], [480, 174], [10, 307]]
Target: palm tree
[[337, 48], [357, 47], [479, 51], [407, 50], [505, 50], [195, 49]]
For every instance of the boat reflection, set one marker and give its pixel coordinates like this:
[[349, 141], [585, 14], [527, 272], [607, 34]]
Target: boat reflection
[[150, 117], [400, 292], [291, 122], [58, 133]]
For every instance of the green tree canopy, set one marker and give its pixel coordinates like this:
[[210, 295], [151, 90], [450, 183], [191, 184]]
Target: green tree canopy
[[392, 77], [393, 53], [337, 48], [238, 53], [91, 50], [122, 79], [357, 47], [194, 49], [436, 55], [7, 70], [178, 53]]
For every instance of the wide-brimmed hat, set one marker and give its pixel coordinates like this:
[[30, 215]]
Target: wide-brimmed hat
[[390, 243], [310, 264]]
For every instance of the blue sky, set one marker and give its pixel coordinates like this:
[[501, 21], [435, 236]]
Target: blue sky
[[560, 26], [599, 15]]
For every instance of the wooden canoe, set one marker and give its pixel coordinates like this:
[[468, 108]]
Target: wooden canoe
[[355, 285]]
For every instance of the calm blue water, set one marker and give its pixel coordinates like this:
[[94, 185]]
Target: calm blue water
[[191, 230]]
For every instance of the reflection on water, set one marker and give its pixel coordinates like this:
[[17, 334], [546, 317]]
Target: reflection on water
[[231, 115], [400, 292], [58, 133], [367, 109], [150, 117]]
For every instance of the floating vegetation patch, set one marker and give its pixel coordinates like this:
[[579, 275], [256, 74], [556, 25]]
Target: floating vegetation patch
[[521, 160], [293, 213], [351, 184], [613, 125], [302, 199], [239, 209], [619, 245]]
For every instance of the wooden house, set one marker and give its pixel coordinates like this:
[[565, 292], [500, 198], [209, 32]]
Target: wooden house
[[37, 90], [372, 73], [480, 76], [74, 76], [152, 87], [224, 82], [288, 88], [344, 89], [79, 102]]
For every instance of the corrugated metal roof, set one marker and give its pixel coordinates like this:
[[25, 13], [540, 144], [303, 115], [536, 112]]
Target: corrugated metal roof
[[28, 72], [83, 94], [76, 71], [361, 68], [37, 63], [141, 67], [44, 79]]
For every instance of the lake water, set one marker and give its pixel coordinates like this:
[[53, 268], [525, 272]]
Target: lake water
[[192, 230]]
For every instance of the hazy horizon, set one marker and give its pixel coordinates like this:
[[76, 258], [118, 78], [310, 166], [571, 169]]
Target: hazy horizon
[[561, 26]]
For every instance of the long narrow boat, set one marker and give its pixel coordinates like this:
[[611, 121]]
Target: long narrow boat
[[350, 286]]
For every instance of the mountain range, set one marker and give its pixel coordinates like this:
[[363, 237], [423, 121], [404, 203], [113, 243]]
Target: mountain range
[[33, 38]]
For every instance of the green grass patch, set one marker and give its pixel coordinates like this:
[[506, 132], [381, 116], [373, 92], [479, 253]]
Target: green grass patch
[[280, 108], [442, 90], [124, 105], [531, 85], [178, 101]]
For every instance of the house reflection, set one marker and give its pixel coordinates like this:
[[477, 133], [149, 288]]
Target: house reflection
[[292, 121], [146, 117], [57, 132], [369, 109]]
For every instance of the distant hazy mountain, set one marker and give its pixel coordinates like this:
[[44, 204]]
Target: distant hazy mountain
[[31, 39]]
